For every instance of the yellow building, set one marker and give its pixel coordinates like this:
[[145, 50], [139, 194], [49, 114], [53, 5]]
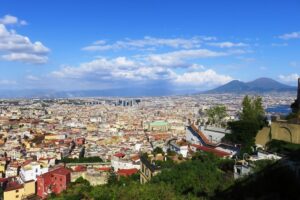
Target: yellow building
[[55, 137], [2, 166], [148, 170], [18, 192]]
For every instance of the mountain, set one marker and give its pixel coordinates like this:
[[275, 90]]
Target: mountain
[[260, 85]]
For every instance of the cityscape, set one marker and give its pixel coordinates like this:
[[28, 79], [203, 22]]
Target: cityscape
[[149, 100]]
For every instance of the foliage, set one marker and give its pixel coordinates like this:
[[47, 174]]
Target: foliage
[[193, 179], [82, 160], [252, 109], [262, 164], [171, 153], [251, 121], [282, 147], [295, 108], [199, 177], [243, 133], [216, 113], [158, 150], [165, 164], [271, 182]]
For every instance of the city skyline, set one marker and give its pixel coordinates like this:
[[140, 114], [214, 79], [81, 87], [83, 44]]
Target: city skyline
[[66, 45]]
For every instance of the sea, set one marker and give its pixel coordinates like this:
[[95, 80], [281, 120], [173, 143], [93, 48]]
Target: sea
[[279, 109]]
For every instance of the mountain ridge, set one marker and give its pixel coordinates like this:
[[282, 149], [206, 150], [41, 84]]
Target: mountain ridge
[[260, 85]]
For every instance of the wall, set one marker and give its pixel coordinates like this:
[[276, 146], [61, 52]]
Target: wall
[[279, 131]]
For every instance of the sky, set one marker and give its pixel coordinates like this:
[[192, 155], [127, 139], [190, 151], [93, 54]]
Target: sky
[[162, 45]]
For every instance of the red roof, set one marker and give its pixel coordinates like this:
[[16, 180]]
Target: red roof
[[204, 138], [119, 155], [13, 186], [211, 150], [104, 168], [80, 168], [2, 180], [127, 172], [60, 171]]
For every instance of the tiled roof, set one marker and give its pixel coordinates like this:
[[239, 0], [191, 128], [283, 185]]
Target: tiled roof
[[127, 172], [211, 150]]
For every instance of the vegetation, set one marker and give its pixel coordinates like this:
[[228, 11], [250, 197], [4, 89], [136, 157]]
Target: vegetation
[[216, 114], [203, 177], [295, 107], [200, 177], [158, 150], [271, 181], [252, 109], [82, 160], [282, 147], [251, 121]]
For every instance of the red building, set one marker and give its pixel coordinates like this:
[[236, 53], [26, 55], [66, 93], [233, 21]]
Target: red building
[[80, 141], [54, 181]]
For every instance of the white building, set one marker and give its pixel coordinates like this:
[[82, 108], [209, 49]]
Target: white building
[[118, 162], [181, 149], [31, 171]]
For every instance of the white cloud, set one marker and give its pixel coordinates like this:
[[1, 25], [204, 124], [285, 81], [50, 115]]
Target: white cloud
[[291, 78], [195, 67], [15, 47], [288, 36], [119, 68], [204, 78], [25, 57], [146, 42], [177, 58], [122, 71], [227, 44], [9, 19]]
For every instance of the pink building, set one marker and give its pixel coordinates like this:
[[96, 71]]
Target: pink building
[[54, 181]]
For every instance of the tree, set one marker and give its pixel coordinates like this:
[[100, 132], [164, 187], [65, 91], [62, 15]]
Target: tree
[[158, 150], [216, 113], [251, 121], [252, 109]]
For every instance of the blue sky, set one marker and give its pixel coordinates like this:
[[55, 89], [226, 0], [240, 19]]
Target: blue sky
[[176, 45]]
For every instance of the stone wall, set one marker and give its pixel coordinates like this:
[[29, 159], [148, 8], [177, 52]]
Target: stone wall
[[279, 131]]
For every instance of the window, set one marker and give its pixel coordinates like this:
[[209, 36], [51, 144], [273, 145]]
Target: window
[[17, 191], [17, 196]]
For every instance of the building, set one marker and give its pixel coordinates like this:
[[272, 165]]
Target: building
[[179, 147], [119, 161], [54, 181], [157, 126], [31, 170], [197, 137], [219, 153], [148, 170], [242, 168], [16, 191]]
